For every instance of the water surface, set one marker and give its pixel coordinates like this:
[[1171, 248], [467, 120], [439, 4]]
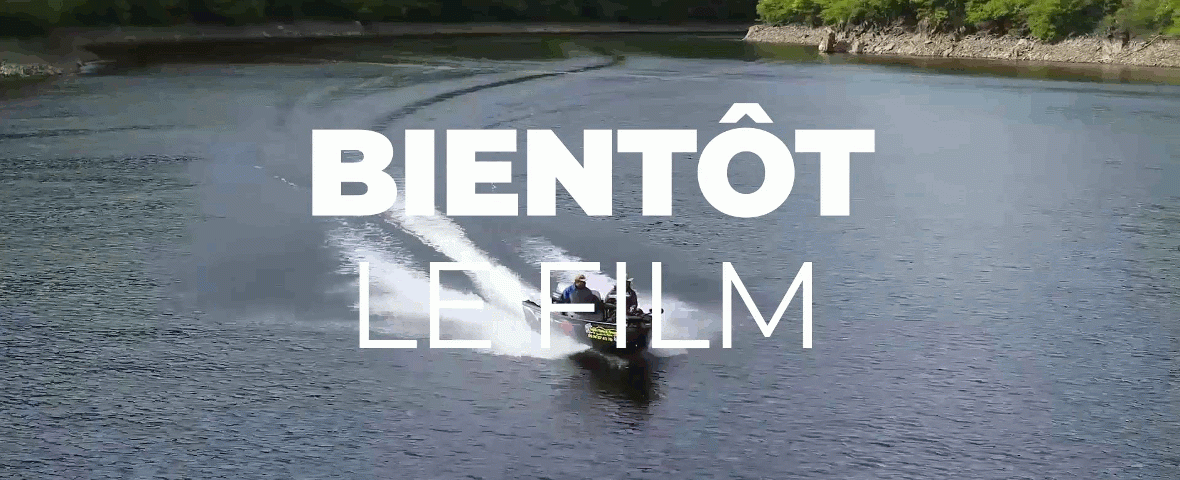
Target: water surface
[[1001, 303]]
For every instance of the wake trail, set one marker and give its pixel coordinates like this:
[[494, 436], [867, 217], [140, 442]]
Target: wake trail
[[502, 289], [413, 107], [400, 293], [399, 300]]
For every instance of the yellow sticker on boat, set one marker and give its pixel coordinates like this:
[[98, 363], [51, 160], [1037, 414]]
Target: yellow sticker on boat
[[600, 333]]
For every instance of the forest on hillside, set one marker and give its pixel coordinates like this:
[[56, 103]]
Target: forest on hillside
[[1045, 19], [32, 17], [1049, 20]]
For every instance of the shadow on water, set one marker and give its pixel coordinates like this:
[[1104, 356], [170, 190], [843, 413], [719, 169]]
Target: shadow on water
[[632, 381], [554, 47], [370, 49], [13, 88], [1084, 72], [1033, 70]]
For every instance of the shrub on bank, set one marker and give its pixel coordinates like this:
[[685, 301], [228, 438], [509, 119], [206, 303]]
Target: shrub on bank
[[1150, 16], [999, 15], [778, 12], [873, 12], [1057, 19]]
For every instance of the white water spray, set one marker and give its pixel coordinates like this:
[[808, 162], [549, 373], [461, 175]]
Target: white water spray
[[400, 294]]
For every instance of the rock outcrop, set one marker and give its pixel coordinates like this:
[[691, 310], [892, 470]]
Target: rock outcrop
[[1120, 50], [830, 43], [17, 70]]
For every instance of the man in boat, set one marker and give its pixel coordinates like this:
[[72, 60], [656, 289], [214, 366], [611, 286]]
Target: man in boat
[[579, 292], [632, 297]]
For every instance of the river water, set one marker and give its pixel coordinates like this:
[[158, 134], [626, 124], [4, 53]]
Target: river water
[[1002, 302]]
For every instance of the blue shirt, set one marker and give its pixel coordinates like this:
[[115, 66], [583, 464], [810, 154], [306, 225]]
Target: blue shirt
[[568, 294]]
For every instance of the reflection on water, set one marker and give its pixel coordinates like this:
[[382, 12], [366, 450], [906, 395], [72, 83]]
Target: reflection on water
[[632, 381], [518, 48], [600, 394], [1040, 70], [13, 88]]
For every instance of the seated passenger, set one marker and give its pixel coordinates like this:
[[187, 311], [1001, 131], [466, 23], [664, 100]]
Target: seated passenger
[[579, 293], [632, 297]]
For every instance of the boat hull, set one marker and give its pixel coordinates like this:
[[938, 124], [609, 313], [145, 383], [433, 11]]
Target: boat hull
[[594, 330]]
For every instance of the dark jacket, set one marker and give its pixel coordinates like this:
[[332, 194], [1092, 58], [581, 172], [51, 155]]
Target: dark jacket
[[573, 294], [584, 295], [632, 298]]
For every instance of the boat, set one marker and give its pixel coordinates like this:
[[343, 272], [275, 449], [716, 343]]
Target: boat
[[596, 330]]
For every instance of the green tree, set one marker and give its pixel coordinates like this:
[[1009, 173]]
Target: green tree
[[1149, 16], [776, 12]]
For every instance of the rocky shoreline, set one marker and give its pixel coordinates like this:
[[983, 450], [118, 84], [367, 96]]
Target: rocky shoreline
[[20, 70], [1147, 52], [69, 50]]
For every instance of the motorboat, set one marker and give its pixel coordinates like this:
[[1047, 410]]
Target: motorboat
[[598, 329]]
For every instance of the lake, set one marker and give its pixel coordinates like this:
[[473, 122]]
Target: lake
[[1003, 300]]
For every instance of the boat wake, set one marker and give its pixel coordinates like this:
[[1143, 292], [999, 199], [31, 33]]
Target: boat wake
[[399, 293], [399, 282]]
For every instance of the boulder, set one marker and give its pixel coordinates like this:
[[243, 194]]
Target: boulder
[[924, 28], [829, 44], [857, 47]]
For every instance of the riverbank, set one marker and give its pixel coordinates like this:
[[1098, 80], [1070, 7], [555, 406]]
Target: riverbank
[[20, 70], [1147, 52], [69, 49]]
